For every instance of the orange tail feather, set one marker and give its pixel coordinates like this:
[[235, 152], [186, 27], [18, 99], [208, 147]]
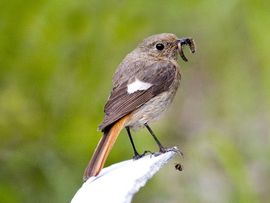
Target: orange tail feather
[[103, 149]]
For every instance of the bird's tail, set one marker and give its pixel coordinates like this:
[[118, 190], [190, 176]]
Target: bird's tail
[[103, 148]]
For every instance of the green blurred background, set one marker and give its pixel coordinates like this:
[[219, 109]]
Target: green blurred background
[[56, 62]]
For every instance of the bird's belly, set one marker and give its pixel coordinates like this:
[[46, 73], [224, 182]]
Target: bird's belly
[[151, 110]]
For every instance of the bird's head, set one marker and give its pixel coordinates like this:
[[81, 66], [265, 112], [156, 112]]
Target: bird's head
[[166, 45]]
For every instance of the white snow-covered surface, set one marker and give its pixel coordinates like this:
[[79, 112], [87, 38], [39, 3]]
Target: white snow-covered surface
[[119, 182]]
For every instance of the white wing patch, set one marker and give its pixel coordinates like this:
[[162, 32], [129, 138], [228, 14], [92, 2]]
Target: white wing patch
[[137, 85]]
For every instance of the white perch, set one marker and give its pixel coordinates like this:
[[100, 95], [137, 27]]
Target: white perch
[[119, 182]]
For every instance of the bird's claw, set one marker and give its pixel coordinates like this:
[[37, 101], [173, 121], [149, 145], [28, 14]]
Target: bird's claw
[[138, 156]]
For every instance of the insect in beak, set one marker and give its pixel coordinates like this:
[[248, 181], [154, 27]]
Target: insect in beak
[[185, 41]]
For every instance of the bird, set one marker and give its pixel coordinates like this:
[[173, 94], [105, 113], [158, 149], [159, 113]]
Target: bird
[[143, 87]]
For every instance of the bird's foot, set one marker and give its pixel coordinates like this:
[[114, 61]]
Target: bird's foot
[[163, 150], [138, 156]]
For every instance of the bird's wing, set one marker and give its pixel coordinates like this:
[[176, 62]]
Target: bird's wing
[[138, 90]]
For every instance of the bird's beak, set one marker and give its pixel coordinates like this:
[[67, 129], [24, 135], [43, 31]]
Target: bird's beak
[[185, 41]]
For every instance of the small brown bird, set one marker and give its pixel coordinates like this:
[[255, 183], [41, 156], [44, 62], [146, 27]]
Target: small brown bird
[[144, 85]]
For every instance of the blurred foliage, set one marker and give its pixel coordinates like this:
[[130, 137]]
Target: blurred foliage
[[56, 63]]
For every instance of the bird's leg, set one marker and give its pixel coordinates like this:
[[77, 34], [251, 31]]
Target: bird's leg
[[161, 148], [136, 154]]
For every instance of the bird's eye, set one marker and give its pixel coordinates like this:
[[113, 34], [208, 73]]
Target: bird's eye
[[160, 46]]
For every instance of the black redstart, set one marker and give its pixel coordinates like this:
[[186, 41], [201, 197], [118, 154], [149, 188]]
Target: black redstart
[[144, 85]]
